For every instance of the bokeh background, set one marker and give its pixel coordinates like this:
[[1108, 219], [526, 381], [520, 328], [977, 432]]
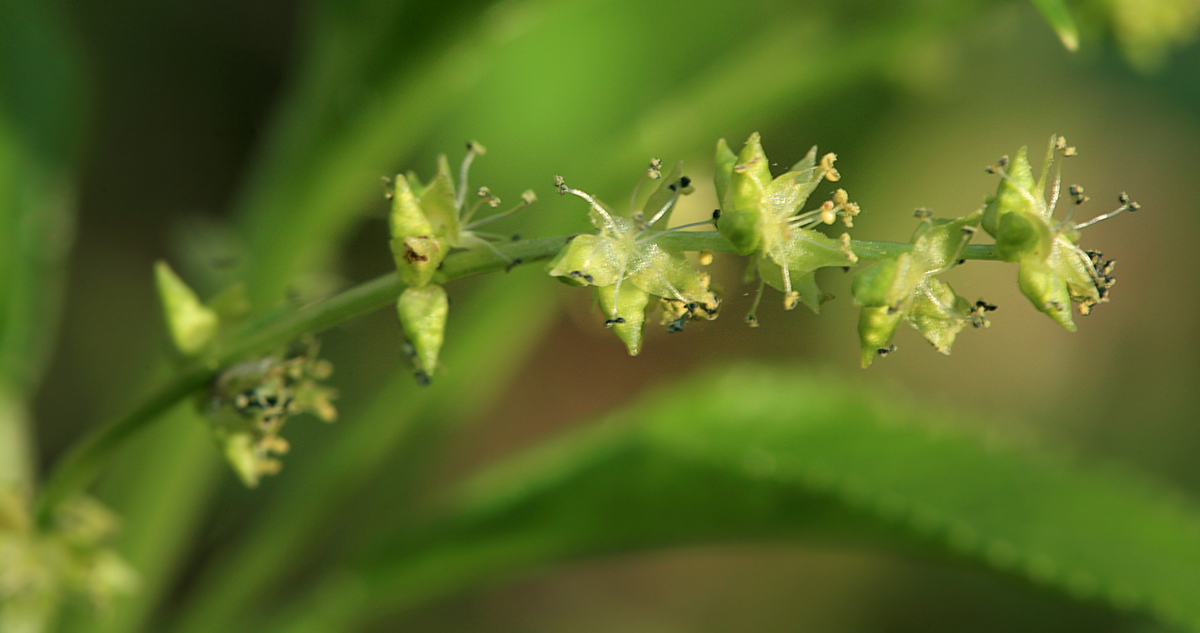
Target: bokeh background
[[246, 141]]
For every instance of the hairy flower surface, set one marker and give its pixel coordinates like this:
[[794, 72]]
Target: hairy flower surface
[[627, 264], [906, 288], [762, 216], [1053, 270]]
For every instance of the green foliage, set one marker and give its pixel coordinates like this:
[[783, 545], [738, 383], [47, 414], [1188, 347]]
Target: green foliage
[[746, 455], [769, 454]]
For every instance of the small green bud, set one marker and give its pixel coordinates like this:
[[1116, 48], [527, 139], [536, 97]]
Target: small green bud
[[625, 312], [423, 314], [192, 325], [415, 248]]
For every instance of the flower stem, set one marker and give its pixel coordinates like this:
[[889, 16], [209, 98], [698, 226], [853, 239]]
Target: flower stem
[[76, 469]]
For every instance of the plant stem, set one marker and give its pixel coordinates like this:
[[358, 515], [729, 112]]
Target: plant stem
[[80, 465]]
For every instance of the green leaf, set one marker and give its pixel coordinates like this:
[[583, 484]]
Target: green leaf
[[752, 454], [1056, 13], [39, 137]]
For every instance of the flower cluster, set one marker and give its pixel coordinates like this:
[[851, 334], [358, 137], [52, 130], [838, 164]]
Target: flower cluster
[[250, 402], [71, 558], [427, 221], [626, 263], [1053, 272], [906, 287], [763, 217]]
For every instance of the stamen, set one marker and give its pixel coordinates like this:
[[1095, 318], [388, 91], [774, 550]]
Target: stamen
[[653, 172], [677, 187], [563, 189], [527, 199], [752, 315], [473, 149], [827, 168], [1125, 206], [850, 255]]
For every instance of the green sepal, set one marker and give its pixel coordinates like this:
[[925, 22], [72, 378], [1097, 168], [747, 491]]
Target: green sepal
[[723, 167], [784, 195], [440, 204], [423, 314], [938, 313], [876, 326], [594, 260], [806, 251], [938, 243], [803, 283], [407, 218], [629, 315], [1051, 284], [193, 325], [746, 186], [889, 283], [1016, 216]]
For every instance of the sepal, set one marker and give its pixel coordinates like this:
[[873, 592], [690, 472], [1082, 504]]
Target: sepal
[[193, 325], [423, 313]]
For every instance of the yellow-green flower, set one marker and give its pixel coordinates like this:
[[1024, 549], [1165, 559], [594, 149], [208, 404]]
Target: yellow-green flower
[[627, 264]]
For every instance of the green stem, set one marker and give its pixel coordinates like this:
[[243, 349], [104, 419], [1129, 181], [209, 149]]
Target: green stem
[[81, 464]]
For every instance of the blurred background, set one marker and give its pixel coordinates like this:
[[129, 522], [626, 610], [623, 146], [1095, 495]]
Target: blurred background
[[247, 141]]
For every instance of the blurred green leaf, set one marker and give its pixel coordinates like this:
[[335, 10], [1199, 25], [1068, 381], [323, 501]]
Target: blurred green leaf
[[768, 454], [39, 136], [1059, 17]]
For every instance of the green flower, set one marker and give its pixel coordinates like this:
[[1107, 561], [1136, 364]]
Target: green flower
[[626, 263], [68, 561], [1053, 271], [762, 216], [250, 402], [905, 288], [427, 220]]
